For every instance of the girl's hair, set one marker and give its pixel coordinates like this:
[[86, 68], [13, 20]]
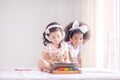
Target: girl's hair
[[70, 33], [55, 27]]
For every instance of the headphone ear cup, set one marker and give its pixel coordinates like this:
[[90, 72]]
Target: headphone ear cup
[[46, 36], [63, 35]]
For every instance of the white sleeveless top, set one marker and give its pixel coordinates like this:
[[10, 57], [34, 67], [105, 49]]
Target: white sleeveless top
[[74, 52]]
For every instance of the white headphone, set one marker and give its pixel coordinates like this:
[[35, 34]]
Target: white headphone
[[47, 31]]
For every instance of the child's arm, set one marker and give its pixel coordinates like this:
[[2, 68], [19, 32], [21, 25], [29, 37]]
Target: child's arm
[[70, 57], [46, 56], [67, 55], [67, 58], [80, 59]]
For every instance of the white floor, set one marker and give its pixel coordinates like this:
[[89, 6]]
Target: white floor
[[87, 74]]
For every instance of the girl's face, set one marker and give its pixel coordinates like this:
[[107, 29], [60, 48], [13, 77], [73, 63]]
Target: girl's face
[[77, 39], [56, 37]]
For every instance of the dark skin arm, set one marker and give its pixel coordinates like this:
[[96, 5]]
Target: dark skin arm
[[80, 59], [70, 57]]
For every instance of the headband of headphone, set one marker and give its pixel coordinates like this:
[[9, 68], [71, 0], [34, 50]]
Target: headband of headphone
[[47, 31]]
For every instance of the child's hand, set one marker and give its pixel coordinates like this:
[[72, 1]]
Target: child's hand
[[57, 55], [53, 55], [60, 57]]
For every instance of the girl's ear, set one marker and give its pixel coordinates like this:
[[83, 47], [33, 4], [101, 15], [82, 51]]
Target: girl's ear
[[70, 39]]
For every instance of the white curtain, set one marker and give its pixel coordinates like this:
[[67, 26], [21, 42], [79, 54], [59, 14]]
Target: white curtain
[[113, 40], [107, 42], [88, 16]]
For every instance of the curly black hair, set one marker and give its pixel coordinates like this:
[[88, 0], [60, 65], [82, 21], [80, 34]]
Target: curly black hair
[[69, 34]]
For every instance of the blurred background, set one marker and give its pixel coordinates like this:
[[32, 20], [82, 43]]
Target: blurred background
[[22, 23]]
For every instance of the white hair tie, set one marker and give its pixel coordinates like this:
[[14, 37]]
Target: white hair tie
[[82, 28], [74, 26]]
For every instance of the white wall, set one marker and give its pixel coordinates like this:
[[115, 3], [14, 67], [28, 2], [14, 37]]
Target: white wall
[[21, 26]]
